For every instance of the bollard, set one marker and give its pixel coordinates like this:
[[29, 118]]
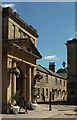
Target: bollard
[[50, 102]]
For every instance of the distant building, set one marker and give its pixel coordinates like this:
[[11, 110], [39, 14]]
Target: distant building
[[51, 81], [72, 69], [19, 53]]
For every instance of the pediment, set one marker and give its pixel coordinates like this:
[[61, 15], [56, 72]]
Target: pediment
[[26, 45]]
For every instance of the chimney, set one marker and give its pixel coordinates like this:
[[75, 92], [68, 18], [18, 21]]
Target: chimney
[[52, 66]]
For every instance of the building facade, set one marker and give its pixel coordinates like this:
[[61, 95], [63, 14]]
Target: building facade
[[19, 52], [51, 81], [72, 69]]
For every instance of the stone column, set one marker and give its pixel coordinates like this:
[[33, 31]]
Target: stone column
[[9, 85], [28, 84], [33, 85], [32, 76], [14, 79]]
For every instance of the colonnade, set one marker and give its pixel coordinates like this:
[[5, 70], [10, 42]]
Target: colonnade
[[27, 82]]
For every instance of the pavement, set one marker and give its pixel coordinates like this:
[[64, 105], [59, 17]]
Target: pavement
[[42, 112]]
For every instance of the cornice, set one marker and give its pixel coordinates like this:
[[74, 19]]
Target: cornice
[[9, 12], [74, 40]]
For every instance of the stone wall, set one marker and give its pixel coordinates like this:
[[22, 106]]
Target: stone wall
[[51, 85], [72, 70], [16, 31]]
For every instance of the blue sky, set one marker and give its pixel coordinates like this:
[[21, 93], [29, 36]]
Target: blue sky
[[55, 23]]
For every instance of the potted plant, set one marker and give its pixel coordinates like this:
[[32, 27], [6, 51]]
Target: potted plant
[[34, 96], [16, 97], [38, 76], [9, 108], [14, 70]]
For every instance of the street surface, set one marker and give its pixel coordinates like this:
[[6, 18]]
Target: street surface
[[58, 112]]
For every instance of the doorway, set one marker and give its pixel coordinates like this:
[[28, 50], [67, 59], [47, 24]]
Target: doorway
[[19, 80]]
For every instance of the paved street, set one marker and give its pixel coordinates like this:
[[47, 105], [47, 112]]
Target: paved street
[[42, 111]]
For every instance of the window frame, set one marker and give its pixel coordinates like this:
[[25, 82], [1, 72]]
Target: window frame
[[56, 81]]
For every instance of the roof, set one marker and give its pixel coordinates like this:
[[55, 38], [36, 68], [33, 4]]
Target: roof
[[50, 72], [64, 75], [14, 42], [30, 42], [41, 69]]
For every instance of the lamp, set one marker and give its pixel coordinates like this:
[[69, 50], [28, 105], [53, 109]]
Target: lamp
[[63, 64]]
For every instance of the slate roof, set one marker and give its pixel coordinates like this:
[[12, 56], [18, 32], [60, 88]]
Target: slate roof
[[39, 68], [50, 72]]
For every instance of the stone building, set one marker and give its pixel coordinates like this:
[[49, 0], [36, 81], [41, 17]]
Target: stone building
[[72, 69], [19, 51], [53, 82]]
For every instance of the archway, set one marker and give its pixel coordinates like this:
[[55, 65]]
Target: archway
[[63, 94]]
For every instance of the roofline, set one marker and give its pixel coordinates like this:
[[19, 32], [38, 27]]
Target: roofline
[[11, 41], [41, 71], [9, 12], [71, 41], [52, 74]]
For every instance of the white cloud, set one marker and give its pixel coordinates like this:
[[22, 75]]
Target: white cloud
[[8, 5], [52, 57]]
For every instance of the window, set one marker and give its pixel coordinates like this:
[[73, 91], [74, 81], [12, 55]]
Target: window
[[38, 92], [60, 82], [64, 83], [46, 78], [38, 73], [58, 93], [47, 92], [20, 33], [13, 31], [55, 81]]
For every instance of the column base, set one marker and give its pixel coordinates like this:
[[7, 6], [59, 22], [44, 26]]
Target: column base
[[29, 105]]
